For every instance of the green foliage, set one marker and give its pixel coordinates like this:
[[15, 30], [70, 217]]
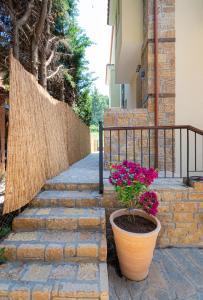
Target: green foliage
[[2, 257], [72, 83], [4, 231], [99, 104], [83, 107], [94, 128], [60, 9], [129, 195], [77, 80]]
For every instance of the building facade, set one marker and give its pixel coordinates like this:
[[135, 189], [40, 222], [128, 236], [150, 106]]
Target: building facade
[[130, 73], [155, 60]]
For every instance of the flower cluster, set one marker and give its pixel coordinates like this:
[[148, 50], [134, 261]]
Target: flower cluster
[[131, 183], [149, 202], [128, 173]]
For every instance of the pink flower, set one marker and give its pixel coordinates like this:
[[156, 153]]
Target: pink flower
[[149, 202]]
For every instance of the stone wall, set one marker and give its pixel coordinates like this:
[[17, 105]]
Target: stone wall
[[140, 145], [116, 142], [180, 214], [166, 58]]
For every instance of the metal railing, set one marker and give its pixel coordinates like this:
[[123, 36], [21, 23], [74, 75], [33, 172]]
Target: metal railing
[[179, 155]]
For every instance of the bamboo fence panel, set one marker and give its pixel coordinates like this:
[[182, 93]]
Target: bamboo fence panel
[[45, 137]]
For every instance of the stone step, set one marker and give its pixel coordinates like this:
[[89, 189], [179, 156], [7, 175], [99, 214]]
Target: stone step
[[67, 199], [60, 218], [56, 246], [66, 186], [53, 281]]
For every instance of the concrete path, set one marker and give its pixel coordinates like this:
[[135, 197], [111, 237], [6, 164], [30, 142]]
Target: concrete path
[[87, 171], [84, 171], [175, 274]]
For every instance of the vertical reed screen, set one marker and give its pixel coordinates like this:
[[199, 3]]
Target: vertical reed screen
[[45, 137]]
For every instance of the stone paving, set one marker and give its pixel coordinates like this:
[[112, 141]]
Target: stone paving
[[21, 281], [175, 274], [87, 171], [55, 246], [84, 171], [67, 199], [58, 248], [60, 218]]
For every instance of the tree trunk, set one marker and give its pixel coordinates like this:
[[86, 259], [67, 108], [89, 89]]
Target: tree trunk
[[35, 59], [62, 91], [43, 70], [18, 23], [15, 41], [43, 55], [36, 37]]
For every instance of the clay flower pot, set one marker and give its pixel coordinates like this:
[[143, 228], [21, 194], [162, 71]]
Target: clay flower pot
[[135, 250]]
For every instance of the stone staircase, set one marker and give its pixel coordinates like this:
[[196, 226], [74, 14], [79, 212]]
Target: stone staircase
[[57, 249]]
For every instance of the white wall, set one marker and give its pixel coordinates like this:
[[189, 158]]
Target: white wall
[[189, 76], [189, 62], [114, 89], [130, 94], [129, 39]]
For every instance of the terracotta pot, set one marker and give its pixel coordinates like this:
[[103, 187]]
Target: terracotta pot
[[135, 250]]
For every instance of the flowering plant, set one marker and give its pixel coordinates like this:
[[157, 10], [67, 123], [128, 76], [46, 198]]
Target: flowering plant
[[131, 182]]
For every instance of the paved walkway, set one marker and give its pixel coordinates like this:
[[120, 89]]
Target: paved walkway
[[58, 248], [175, 274], [83, 171], [87, 171]]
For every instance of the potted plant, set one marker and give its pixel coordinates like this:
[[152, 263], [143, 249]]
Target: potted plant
[[135, 228]]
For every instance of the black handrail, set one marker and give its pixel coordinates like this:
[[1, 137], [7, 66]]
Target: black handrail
[[189, 127], [101, 184], [168, 160]]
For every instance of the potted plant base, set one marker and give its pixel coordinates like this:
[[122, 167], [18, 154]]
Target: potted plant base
[[135, 237], [135, 228]]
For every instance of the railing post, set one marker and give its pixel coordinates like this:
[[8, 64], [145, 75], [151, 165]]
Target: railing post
[[101, 183], [188, 156]]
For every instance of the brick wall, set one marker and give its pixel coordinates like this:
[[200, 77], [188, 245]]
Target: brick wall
[[166, 58], [180, 214], [124, 117]]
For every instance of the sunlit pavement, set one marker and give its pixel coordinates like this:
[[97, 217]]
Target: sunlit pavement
[[176, 273]]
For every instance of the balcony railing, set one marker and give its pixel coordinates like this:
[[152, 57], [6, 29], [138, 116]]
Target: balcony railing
[[179, 153]]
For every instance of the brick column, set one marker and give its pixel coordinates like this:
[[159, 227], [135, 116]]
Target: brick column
[[166, 57]]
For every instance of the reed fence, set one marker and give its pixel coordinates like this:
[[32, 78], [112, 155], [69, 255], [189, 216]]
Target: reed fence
[[45, 137]]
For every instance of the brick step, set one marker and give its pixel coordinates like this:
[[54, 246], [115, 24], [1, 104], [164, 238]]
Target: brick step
[[53, 281], [60, 218], [64, 186], [67, 199], [56, 246]]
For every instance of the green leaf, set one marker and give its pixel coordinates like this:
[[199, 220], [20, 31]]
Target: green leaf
[[2, 257]]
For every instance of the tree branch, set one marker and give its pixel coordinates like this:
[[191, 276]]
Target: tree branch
[[40, 24], [55, 72], [49, 60], [11, 9], [51, 56], [26, 15], [39, 27], [18, 23]]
